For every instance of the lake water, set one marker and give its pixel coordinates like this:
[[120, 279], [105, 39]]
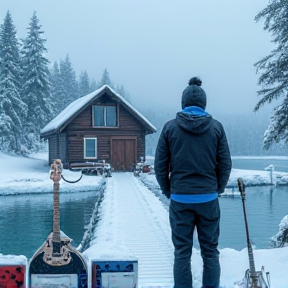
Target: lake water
[[265, 208], [26, 220]]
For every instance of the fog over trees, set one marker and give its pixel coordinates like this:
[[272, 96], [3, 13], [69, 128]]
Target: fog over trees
[[244, 132], [33, 91], [250, 135]]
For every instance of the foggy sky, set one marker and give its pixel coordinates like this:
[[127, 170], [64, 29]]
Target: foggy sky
[[153, 47]]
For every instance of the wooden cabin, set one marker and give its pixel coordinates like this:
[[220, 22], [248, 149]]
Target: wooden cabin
[[99, 126]]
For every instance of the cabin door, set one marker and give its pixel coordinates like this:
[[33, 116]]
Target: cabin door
[[123, 153]]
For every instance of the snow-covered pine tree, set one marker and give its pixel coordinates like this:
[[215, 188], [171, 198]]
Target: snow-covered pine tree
[[105, 79], [281, 238], [70, 90], [274, 72], [93, 85], [12, 109], [36, 91], [84, 87], [56, 88]]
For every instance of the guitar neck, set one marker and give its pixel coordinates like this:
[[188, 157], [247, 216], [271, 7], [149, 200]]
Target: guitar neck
[[251, 259], [56, 221], [253, 273]]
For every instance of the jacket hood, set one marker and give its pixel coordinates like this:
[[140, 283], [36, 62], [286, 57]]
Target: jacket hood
[[193, 124]]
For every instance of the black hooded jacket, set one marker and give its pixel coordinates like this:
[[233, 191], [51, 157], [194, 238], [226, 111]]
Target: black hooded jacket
[[192, 156]]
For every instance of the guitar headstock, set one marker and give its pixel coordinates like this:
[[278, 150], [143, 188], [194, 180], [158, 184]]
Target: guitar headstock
[[241, 187], [56, 170]]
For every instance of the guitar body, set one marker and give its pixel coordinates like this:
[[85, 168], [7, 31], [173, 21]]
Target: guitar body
[[247, 282], [70, 266]]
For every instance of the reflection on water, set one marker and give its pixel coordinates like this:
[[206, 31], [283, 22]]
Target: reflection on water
[[265, 208], [26, 220]]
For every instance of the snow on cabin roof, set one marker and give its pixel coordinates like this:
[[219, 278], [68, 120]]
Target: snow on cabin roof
[[64, 117]]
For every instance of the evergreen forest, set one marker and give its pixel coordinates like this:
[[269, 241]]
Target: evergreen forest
[[33, 91]]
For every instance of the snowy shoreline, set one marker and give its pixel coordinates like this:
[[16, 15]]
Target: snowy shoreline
[[30, 175]]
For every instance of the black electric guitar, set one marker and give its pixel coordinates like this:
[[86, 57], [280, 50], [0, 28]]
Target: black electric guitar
[[57, 260], [253, 278]]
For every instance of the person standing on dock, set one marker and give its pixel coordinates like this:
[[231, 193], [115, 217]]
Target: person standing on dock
[[192, 166]]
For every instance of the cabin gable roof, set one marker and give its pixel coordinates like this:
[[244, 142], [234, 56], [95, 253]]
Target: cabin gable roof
[[76, 107]]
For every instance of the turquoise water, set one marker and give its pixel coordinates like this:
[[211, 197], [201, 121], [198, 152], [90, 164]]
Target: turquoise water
[[26, 220], [265, 208]]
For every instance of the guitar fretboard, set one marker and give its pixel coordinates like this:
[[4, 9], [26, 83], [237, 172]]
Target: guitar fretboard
[[56, 221]]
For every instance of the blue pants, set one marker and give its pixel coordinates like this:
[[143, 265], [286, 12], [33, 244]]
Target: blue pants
[[183, 219]]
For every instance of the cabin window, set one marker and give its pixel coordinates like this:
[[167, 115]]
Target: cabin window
[[90, 148], [104, 116]]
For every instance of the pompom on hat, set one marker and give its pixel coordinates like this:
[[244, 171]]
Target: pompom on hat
[[194, 95]]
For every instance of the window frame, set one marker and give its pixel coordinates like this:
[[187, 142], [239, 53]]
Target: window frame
[[84, 147], [105, 115]]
